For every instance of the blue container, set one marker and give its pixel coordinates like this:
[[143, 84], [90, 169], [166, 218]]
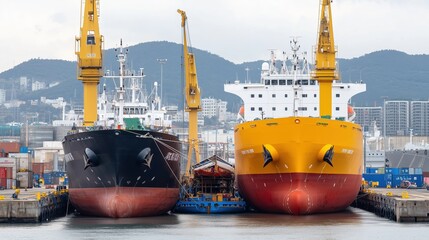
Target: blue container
[[389, 183], [23, 149], [66, 181], [418, 171], [414, 178], [371, 170], [47, 175], [372, 177], [48, 181], [394, 171], [58, 174], [389, 177]]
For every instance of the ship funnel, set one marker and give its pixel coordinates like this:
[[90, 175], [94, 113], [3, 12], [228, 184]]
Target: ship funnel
[[270, 154], [326, 154], [91, 159]]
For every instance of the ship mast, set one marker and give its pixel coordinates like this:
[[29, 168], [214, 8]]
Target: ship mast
[[192, 96], [125, 77], [121, 89], [325, 71], [89, 58]]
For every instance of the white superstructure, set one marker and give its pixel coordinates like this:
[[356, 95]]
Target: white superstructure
[[130, 100], [289, 90]]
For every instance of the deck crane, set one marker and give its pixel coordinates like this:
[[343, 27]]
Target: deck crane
[[88, 49], [325, 71], [192, 96]]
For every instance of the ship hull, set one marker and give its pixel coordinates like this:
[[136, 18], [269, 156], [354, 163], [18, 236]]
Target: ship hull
[[124, 173], [300, 193], [297, 180], [119, 202]]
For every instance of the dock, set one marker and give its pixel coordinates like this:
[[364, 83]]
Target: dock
[[397, 204], [33, 205]]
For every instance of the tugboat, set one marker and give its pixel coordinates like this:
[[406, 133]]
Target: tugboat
[[207, 185], [211, 189]]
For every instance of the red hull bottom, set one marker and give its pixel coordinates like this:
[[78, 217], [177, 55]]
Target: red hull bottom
[[299, 193], [123, 202]]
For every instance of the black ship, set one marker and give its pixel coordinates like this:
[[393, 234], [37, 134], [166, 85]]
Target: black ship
[[120, 173], [122, 166]]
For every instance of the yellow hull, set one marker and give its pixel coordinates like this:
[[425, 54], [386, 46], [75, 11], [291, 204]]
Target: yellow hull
[[299, 180]]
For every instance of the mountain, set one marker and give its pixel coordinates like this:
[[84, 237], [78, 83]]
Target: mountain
[[387, 73]]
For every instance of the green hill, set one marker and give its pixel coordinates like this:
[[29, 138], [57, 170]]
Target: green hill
[[394, 74]]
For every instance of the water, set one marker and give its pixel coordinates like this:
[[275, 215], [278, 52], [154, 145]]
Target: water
[[350, 224]]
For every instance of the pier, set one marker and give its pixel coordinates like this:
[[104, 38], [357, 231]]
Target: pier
[[33, 205], [397, 204]]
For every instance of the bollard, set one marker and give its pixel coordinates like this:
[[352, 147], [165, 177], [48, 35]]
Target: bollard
[[404, 194]]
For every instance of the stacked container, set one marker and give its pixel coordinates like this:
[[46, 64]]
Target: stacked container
[[393, 176]]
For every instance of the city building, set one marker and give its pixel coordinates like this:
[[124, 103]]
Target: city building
[[419, 117], [36, 85], [365, 116], [23, 83], [214, 108], [397, 118]]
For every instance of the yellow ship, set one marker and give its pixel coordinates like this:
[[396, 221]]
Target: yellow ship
[[297, 149]]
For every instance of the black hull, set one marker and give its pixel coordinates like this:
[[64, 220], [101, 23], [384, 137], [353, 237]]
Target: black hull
[[118, 159]]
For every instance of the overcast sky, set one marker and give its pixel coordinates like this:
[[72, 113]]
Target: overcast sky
[[237, 30]]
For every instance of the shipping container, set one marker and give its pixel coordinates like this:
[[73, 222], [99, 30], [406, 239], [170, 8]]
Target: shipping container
[[23, 149], [25, 179], [373, 177], [6, 172], [48, 166], [3, 172], [48, 181], [11, 183], [39, 168], [54, 174], [58, 174], [415, 178], [3, 183], [55, 181], [9, 147], [392, 170], [371, 170], [10, 131], [66, 181], [10, 173]]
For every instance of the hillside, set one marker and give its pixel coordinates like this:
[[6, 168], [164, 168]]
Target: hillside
[[386, 73]]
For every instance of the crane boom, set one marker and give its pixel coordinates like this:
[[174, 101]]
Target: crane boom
[[325, 66], [192, 96], [90, 60]]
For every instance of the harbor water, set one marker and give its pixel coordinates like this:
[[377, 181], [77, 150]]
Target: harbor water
[[350, 224]]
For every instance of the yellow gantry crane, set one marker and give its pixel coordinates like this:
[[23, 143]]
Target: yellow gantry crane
[[192, 96], [325, 66], [88, 49]]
